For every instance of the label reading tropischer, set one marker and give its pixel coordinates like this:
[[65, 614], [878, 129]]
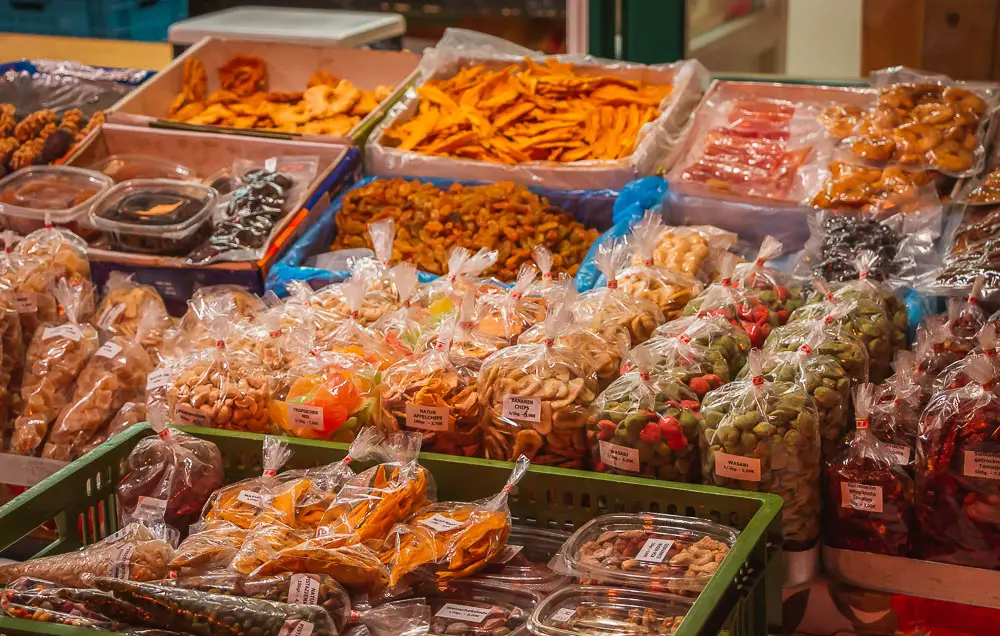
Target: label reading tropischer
[[654, 550], [464, 613], [427, 418], [68, 331], [110, 315], [440, 523], [563, 615], [519, 407], [861, 497], [26, 303], [985, 465], [303, 589], [304, 416], [109, 350], [192, 416], [737, 467], [620, 457], [296, 627]]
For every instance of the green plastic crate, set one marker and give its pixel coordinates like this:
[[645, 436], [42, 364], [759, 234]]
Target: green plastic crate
[[80, 499]]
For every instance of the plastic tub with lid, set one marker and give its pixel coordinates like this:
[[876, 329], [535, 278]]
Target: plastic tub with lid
[[127, 167], [60, 194], [604, 611]]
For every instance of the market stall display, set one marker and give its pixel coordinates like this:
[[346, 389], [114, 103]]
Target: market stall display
[[592, 609], [57, 195]]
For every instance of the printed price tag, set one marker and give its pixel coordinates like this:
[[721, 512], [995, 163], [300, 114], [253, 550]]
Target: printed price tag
[[296, 627], [985, 465], [255, 499], [900, 452], [509, 552], [737, 467], [191, 416], [427, 418], [120, 565], [150, 508], [304, 416], [69, 331], [563, 615], [620, 457], [440, 523], [110, 315], [519, 407], [109, 350], [18, 470], [158, 379], [861, 497], [654, 550], [464, 613], [26, 303], [304, 589], [117, 534]]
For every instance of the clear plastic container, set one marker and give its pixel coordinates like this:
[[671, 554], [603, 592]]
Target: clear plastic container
[[608, 611], [155, 216], [659, 552], [61, 193], [467, 608], [128, 167], [524, 561]]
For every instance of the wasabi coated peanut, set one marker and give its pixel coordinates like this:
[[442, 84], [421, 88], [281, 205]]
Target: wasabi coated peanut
[[828, 339], [868, 322], [715, 333]]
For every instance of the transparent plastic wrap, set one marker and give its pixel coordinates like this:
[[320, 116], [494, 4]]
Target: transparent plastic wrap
[[693, 250], [204, 614], [548, 284], [646, 425], [610, 304], [451, 540], [171, 474], [667, 288], [826, 382], [114, 375], [647, 551], [857, 185], [470, 346], [945, 339], [699, 367], [536, 398], [894, 416], [982, 190], [382, 234], [524, 561], [266, 193], [509, 314], [476, 608], [58, 352], [350, 334], [764, 437], [956, 468], [429, 394], [770, 287], [647, 107], [11, 341], [203, 306], [714, 332], [870, 498], [408, 329], [42, 601], [267, 338], [209, 547], [956, 374], [331, 306], [126, 304], [967, 253], [592, 609], [135, 552], [443, 294]]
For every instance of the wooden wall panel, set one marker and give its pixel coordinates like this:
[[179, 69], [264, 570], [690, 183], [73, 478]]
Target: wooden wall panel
[[959, 37], [892, 33]]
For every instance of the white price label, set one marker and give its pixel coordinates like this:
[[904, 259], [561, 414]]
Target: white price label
[[620, 457], [18, 470], [121, 560], [255, 499], [654, 550], [191, 416], [26, 303], [519, 407], [861, 497], [117, 534], [464, 613], [427, 418], [985, 465], [296, 627], [900, 453], [110, 315], [150, 508], [109, 350], [737, 467], [563, 615], [440, 523], [303, 589], [158, 379], [69, 331], [508, 553], [304, 416]]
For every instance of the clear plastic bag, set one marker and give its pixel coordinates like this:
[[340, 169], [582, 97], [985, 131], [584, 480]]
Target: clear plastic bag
[[130, 414], [408, 329], [955, 375], [240, 503], [773, 289], [870, 498], [611, 304], [509, 314], [171, 474], [536, 398], [443, 294], [524, 562], [668, 289], [192, 332], [58, 352], [547, 284], [350, 333], [135, 552], [209, 547], [712, 331], [698, 366], [126, 304], [451, 540], [958, 508], [646, 425], [11, 341], [764, 437], [377, 270], [694, 250], [894, 416], [592, 609], [34, 599], [470, 346], [456, 607]]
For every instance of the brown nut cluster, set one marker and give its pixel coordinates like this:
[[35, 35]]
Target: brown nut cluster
[[218, 395], [597, 620]]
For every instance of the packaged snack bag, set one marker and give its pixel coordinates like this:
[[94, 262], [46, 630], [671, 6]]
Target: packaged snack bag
[[742, 308], [469, 345], [894, 416], [771, 287], [870, 498], [351, 335], [126, 305], [547, 284], [826, 331], [442, 295], [714, 332], [407, 329], [508, 314]]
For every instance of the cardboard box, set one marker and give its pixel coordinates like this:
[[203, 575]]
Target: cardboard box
[[205, 154], [289, 67]]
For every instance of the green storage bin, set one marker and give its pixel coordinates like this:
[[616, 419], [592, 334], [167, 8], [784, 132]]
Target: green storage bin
[[80, 498]]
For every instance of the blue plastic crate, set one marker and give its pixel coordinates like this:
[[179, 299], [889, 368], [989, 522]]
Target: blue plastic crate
[[118, 19]]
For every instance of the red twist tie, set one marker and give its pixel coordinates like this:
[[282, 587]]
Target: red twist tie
[[758, 380], [862, 275], [516, 295], [164, 434], [439, 345], [507, 488], [467, 324], [973, 300], [276, 334], [990, 353], [270, 473], [355, 314], [806, 349], [547, 342], [612, 284], [219, 344], [648, 262], [861, 423], [989, 386], [547, 276], [354, 617], [686, 339], [644, 376]]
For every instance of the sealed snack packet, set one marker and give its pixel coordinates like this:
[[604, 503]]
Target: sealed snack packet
[[954, 375], [956, 470], [266, 337], [547, 284], [470, 346], [536, 398], [351, 335], [407, 329], [442, 295], [378, 270], [645, 425], [240, 503], [171, 474], [763, 436], [894, 416], [451, 540], [669, 289], [33, 599], [610, 304], [743, 310], [114, 375], [508, 314], [695, 250], [965, 315], [769, 286], [332, 305], [870, 498], [11, 341], [826, 331], [455, 607], [430, 395], [58, 352], [209, 547], [126, 305], [593, 609], [204, 614], [204, 305], [130, 414], [712, 331], [698, 366], [135, 552]]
